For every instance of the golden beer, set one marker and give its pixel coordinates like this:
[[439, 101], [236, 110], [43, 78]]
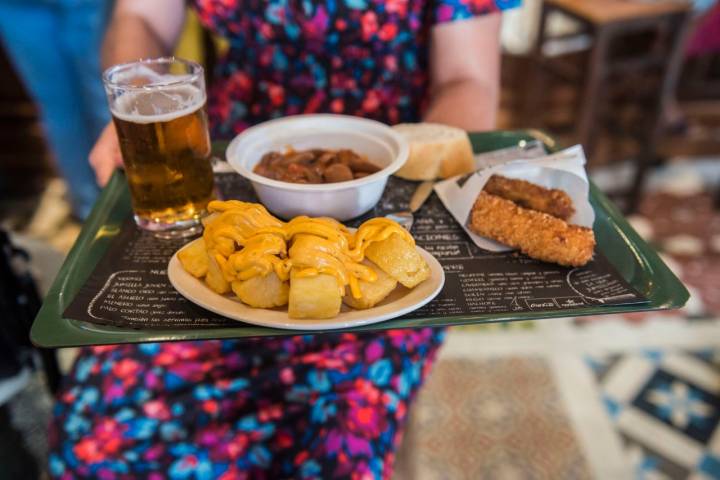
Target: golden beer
[[162, 129]]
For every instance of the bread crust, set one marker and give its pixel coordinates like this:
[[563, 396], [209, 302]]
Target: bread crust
[[446, 156], [458, 159], [423, 162]]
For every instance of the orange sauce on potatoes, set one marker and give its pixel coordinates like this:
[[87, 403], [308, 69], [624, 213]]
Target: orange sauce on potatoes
[[247, 241]]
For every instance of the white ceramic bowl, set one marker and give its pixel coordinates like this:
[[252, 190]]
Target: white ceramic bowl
[[341, 200]]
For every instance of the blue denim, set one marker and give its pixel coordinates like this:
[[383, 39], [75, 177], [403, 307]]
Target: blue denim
[[55, 48]]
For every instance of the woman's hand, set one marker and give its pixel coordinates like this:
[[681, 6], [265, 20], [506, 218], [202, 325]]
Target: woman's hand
[[105, 156], [138, 29]]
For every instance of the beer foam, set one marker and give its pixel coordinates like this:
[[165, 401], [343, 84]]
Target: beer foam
[[158, 105], [126, 74]]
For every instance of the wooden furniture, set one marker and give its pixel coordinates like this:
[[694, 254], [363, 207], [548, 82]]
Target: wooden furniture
[[25, 167], [613, 28], [603, 12], [25, 162]]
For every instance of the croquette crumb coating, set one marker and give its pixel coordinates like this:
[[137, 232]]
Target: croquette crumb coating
[[536, 234], [549, 200]]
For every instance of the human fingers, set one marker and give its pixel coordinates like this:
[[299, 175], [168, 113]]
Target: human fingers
[[105, 156]]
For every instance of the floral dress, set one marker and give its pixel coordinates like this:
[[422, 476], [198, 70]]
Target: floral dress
[[357, 57], [320, 406]]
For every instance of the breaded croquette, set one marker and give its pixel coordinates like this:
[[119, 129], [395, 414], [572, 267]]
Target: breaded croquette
[[548, 200], [536, 234]]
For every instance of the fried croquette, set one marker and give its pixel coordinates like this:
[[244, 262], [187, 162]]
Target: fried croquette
[[529, 195], [536, 234]]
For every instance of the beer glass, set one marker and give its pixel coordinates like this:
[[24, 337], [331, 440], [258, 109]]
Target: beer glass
[[158, 108]]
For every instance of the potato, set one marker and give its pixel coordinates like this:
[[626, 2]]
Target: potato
[[372, 292], [399, 259], [314, 297], [262, 292], [208, 219], [214, 278], [194, 258]]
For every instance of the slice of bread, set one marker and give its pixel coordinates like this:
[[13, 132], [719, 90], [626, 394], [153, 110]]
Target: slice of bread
[[436, 151]]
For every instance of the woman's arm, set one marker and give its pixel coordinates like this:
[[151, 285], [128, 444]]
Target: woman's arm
[[142, 29], [465, 73], [138, 29]]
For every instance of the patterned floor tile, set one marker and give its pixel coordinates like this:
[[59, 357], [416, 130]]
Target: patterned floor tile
[[650, 465], [491, 419], [680, 404], [498, 327], [666, 406]]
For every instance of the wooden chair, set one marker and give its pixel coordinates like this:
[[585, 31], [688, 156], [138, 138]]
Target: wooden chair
[[609, 24], [24, 155]]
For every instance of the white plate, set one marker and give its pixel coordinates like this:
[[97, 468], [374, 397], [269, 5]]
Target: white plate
[[401, 301]]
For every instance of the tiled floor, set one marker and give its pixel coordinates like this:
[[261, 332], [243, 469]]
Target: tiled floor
[[496, 417], [611, 399], [634, 396]]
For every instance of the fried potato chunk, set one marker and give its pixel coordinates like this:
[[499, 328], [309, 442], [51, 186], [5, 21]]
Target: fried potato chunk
[[536, 234], [314, 297], [194, 258], [215, 278], [399, 259], [372, 292], [208, 219], [262, 292]]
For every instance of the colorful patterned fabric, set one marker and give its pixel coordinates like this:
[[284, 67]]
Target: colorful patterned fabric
[[705, 38], [358, 57], [296, 407], [319, 406]]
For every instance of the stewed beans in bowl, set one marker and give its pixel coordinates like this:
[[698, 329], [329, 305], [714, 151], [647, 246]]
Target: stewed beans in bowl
[[319, 165], [315, 166]]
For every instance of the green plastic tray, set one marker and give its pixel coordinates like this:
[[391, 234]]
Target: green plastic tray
[[636, 261]]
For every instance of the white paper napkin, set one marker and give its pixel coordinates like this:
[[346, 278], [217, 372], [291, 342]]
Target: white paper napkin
[[564, 170]]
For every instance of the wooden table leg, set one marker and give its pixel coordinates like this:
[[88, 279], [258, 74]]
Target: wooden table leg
[[534, 96], [595, 75], [648, 155]]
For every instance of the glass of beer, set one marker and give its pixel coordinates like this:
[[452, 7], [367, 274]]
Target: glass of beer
[[158, 107]]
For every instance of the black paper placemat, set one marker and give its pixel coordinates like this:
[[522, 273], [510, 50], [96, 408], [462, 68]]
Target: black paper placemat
[[129, 286]]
